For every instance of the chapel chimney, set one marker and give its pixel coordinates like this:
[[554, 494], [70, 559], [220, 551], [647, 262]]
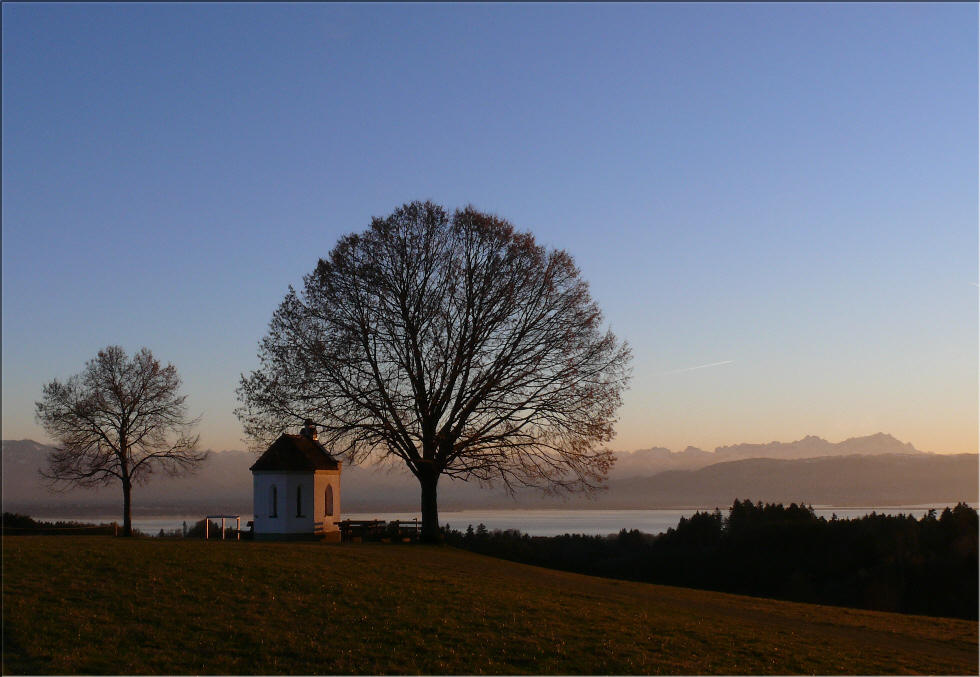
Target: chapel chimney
[[309, 430]]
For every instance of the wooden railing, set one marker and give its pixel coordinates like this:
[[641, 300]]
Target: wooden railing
[[355, 530]]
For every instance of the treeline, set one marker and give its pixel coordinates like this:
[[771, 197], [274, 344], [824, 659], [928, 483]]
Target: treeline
[[882, 562], [15, 524]]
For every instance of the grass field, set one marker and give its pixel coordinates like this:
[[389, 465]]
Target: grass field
[[104, 605]]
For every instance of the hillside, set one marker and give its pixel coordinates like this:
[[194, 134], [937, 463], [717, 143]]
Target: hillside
[[878, 477], [858, 481], [179, 607], [885, 480]]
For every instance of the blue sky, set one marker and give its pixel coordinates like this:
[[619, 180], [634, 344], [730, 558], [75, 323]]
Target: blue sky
[[791, 188]]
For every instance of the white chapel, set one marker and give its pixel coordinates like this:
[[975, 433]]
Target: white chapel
[[296, 489]]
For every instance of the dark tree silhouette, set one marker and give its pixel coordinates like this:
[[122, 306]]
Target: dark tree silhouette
[[454, 344], [119, 420], [885, 562]]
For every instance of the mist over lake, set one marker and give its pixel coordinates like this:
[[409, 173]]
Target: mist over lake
[[531, 522]]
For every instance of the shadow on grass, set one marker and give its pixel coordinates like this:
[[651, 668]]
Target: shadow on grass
[[16, 659]]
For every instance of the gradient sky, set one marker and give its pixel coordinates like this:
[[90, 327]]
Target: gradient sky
[[789, 189]]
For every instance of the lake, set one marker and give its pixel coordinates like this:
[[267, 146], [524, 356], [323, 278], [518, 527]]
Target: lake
[[532, 522]]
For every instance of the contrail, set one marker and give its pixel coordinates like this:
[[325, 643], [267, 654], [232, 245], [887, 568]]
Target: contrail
[[713, 364]]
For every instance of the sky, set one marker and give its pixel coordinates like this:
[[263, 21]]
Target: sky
[[785, 192]]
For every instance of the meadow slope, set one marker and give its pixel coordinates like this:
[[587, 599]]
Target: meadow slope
[[152, 606]]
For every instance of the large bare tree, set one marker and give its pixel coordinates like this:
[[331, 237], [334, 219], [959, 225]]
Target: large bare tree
[[453, 344], [119, 420]]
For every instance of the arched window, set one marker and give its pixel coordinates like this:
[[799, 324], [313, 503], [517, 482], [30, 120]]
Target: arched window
[[273, 501], [299, 501], [328, 500]]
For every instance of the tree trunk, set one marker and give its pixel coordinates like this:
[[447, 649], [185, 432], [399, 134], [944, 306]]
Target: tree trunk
[[127, 507], [429, 480]]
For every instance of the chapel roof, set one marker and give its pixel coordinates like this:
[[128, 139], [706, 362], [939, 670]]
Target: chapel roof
[[296, 452]]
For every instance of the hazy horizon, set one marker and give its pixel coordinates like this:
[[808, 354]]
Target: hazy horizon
[[244, 446], [871, 471], [776, 205]]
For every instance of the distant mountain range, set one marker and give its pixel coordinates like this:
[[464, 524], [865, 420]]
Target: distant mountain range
[[649, 462], [877, 470]]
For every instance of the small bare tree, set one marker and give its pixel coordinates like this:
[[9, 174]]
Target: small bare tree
[[454, 344], [119, 420]]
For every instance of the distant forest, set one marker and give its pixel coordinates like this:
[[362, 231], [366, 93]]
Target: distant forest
[[881, 562]]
